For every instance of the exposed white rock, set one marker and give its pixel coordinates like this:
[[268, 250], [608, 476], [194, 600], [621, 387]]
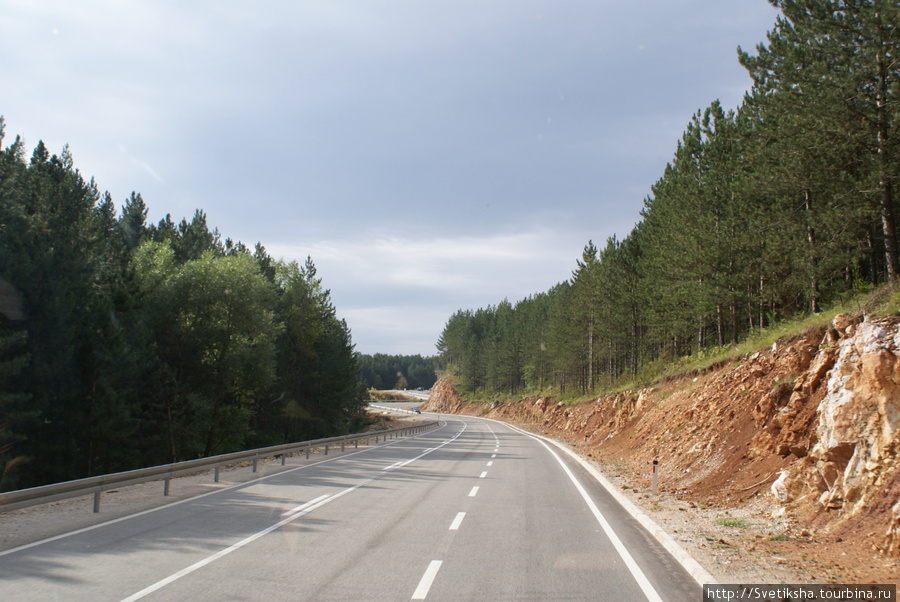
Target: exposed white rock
[[779, 488], [858, 423]]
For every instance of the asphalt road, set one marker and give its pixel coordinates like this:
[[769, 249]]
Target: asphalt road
[[471, 511]]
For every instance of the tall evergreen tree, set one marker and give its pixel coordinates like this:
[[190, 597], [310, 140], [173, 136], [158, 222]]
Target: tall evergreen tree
[[827, 80]]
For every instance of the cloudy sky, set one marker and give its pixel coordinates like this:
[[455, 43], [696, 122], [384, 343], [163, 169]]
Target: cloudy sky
[[430, 155]]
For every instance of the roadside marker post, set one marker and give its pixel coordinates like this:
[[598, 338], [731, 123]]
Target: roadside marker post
[[653, 479]]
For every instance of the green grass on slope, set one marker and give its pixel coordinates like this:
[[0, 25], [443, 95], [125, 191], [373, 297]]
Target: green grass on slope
[[883, 301]]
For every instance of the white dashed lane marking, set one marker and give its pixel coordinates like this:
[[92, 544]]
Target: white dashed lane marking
[[457, 521], [427, 579]]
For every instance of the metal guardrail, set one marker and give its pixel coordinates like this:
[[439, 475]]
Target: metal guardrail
[[23, 498]]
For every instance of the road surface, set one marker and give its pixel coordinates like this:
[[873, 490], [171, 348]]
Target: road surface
[[474, 510]]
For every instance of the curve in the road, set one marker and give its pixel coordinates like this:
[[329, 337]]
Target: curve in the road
[[473, 510]]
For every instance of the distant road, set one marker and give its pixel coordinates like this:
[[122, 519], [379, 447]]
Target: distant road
[[422, 395], [474, 510]]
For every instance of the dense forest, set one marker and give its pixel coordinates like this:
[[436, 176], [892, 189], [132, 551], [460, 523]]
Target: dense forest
[[381, 371], [767, 211], [125, 344]]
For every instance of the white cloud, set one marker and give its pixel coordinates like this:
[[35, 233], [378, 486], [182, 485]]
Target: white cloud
[[398, 292], [397, 329], [440, 264], [338, 123]]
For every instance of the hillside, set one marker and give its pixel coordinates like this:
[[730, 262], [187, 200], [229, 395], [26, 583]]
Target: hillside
[[803, 434]]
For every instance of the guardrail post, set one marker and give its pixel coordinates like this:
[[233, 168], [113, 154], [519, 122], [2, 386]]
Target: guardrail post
[[96, 485]]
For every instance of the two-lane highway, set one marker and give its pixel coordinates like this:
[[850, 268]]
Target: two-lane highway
[[473, 510]]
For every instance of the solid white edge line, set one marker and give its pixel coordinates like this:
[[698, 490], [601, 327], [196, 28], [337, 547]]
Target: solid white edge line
[[693, 568], [635, 570], [120, 519], [303, 507], [454, 526], [427, 579], [296, 513]]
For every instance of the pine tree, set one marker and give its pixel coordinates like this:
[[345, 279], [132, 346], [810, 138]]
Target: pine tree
[[827, 82], [133, 220]]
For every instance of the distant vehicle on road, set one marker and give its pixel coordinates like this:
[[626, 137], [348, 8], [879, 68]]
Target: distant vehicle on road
[[416, 411]]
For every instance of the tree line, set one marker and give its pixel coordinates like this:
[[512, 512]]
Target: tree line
[[382, 371], [770, 210], [126, 344]]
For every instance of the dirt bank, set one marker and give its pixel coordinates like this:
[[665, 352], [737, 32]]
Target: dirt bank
[[781, 465]]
